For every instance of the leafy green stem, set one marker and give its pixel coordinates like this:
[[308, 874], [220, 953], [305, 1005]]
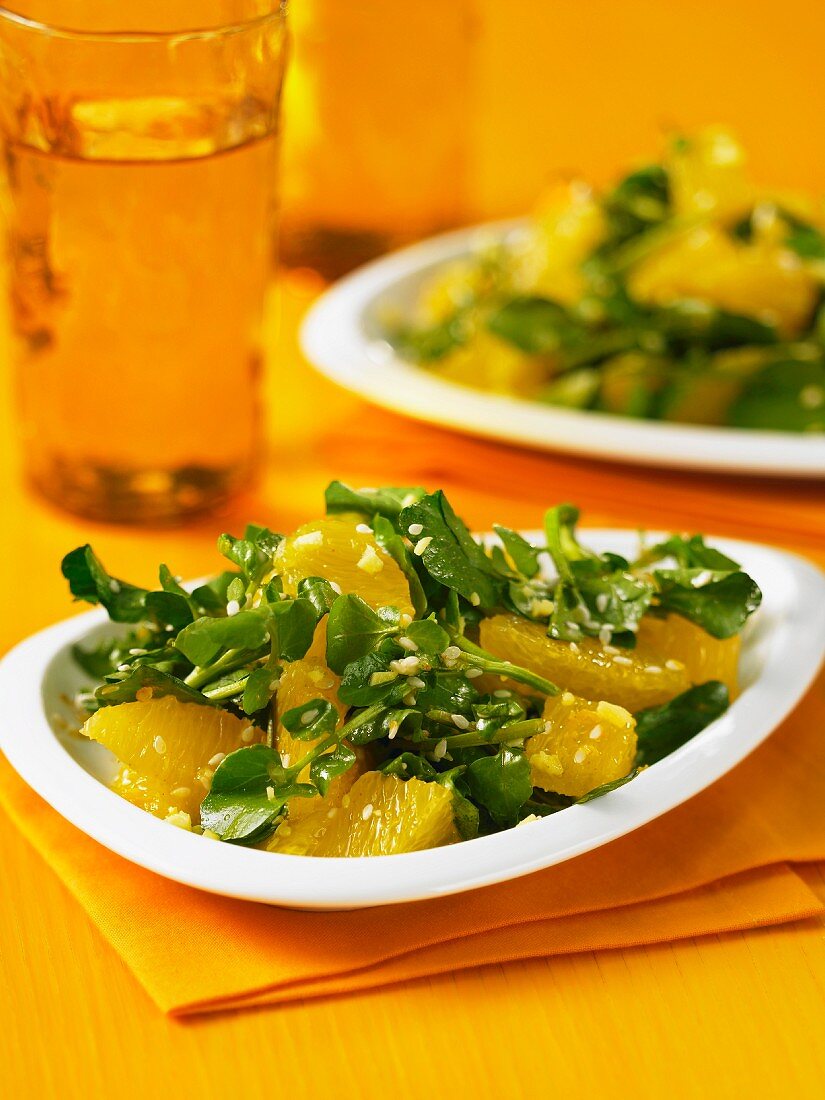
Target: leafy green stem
[[477, 657]]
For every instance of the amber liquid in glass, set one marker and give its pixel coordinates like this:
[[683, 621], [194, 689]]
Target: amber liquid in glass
[[141, 252]]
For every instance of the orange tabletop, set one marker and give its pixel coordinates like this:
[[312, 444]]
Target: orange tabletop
[[722, 1016]]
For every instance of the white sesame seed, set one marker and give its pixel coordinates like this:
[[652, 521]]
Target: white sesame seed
[[701, 579], [502, 693], [405, 620], [114, 585], [472, 673], [605, 634], [611, 649], [273, 684], [247, 734], [392, 733], [181, 792], [674, 666], [407, 643], [415, 529], [406, 666], [311, 538], [159, 745], [602, 600], [233, 607], [205, 778], [364, 529], [460, 721], [336, 587], [216, 759], [416, 682], [422, 545], [574, 648], [409, 499], [309, 716], [620, 660], [451, 653], [440, 750], [286, 758], [123, 668], [366, 813], [653, 669], [409, 699], [579, 756], [475, 599], [270, 793], [568, 698], [595, 733], [332, 812], [136, 652]]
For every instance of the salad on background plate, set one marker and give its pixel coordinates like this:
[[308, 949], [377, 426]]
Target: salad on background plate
[[382, 681], [684, 293]]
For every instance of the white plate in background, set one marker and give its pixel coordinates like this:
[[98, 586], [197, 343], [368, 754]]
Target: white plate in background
[[341, 336]]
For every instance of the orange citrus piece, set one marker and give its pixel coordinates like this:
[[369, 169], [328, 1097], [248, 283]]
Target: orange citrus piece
[[585, 744], [168, 750], [382, 815], [704, 657], [632, 678], [335, 549]]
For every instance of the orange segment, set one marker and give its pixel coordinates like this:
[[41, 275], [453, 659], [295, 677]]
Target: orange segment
[[382, 815], [585, 744], [303, 680], [704, 657], [168, 750], [335, 549], [633, 678]]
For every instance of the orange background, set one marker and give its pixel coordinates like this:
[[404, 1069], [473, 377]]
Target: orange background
[[474, 104]]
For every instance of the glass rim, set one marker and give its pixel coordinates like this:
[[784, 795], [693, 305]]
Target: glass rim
[[278, 13]]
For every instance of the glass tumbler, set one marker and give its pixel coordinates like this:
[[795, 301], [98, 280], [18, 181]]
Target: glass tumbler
[[140, 198]]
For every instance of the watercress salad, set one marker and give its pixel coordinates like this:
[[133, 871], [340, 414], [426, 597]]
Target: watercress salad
[[418, 694]]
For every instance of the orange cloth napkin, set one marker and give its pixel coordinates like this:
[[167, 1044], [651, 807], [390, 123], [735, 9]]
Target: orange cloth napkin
[[718, 863]]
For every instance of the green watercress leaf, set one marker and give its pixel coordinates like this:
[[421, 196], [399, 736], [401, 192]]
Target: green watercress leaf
[[206, 637], [329, 766], [501, 784], [147, 676], [89, 581], [311, 721], [354, 630], [719, 602], [663, 729], [453, 557], [239, 807], [388, 501], [525, 556]]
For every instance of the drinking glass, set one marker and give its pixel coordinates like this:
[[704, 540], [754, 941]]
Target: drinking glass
[[140, 195]]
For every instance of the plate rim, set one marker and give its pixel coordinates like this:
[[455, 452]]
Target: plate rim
[[333, 340], [382, 880]]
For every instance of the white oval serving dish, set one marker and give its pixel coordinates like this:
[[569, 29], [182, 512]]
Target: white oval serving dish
[[783, 648], [341, 336]]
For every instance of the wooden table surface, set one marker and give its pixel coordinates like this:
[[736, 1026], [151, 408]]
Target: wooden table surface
[[722, 1016]]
